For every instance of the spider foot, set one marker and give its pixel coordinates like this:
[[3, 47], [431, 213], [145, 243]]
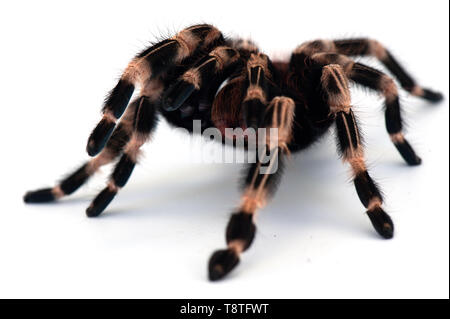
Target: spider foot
[[99, 136], [39, 196], [381, 222], [221, 263], [405, 150], [432, 96], [102, 200], [408, 153]]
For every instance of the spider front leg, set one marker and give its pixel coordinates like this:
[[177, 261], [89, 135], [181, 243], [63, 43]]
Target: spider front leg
[[149, 64], [221, 60], [260, 183], [143, 125], [257, 90], [335, 84]]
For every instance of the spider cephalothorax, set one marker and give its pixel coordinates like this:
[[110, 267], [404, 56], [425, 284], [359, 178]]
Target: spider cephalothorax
[[200, 75]]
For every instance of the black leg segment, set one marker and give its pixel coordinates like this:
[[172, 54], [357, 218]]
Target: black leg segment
[[364, 46], [376, 80], [143, 123]]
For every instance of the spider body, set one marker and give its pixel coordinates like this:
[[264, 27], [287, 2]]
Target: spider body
[[200, 75]]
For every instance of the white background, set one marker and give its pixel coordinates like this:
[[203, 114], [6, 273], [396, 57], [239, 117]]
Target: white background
[[57, 61]]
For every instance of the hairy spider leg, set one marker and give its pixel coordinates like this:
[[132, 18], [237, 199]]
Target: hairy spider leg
[[256, 96], [150, 63], [335, 85], [242, 101], [364, 46], [258, 187], [376, 80], [144, 123], [75, 180], [382, 83], [221, 59]]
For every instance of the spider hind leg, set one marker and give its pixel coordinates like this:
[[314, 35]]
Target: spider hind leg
[[363, 46], [335, 83], [376, 80], [385, 85]]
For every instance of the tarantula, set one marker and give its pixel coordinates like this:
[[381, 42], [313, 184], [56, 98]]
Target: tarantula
[[198, 74]]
